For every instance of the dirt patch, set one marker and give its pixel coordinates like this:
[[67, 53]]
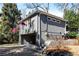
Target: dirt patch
[[59, 53]]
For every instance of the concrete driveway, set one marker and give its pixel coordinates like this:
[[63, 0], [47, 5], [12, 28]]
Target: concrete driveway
[[19, 51]]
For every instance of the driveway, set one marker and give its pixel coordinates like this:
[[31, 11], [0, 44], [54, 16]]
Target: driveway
[[20, 51]]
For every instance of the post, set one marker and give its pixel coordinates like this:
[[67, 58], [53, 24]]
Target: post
[[19, 35], [38, 35], [19, 39]]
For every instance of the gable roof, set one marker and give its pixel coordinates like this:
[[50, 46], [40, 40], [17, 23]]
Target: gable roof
[[42, 12]]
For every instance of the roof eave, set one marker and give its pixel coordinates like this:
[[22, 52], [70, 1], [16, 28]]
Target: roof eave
[[42, 12]]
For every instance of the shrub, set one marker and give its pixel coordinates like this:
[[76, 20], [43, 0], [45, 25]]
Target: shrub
[[3, 39], [9, 38], [71, 34], [77, 35]]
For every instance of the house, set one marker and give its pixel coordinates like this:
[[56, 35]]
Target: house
[[38, 26]]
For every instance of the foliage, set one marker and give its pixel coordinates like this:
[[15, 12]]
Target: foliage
[[77, 35], [73, 20], [10, 17], [11, 13], [71, 13], [63, 6], [71, 34]]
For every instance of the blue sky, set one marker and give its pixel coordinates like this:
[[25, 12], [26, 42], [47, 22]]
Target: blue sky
[[52, 9]]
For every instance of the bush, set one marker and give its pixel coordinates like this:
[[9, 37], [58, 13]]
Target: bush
[[3, 39], [9, 38], [71, 35], [77, 35]]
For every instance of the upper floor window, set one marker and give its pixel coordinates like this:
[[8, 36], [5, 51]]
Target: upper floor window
[[54, 20], [58, 21]]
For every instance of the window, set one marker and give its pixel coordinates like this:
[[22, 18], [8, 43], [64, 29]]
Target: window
[[58, 21], [49, 19], [54, 20]]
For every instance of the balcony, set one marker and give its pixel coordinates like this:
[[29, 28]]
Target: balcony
[[26, 30]]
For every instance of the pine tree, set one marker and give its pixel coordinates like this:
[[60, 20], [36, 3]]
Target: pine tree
[[11, 13], [10, 16]]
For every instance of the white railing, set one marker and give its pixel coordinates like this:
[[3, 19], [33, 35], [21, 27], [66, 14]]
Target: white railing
[[26, 30]]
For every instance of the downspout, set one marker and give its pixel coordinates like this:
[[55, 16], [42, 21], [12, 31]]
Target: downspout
[[47, 21], [40, 30], [65, 7]]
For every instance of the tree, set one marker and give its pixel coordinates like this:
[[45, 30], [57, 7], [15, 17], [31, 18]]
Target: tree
[[37, 6], [64, 6], [73, 20], [10, 16], [71, 14], [11, 13]]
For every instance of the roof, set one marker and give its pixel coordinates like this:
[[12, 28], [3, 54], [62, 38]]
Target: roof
[[42, 12]]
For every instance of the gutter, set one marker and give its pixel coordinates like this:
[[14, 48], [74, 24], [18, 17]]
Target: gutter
[[42, 12]]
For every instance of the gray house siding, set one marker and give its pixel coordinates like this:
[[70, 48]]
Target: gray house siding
[[43, 27], [56, 28], [53, 28]]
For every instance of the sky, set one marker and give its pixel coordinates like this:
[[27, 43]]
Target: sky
[[52, 9]]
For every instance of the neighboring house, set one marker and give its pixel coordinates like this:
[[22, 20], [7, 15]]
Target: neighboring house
[[36, 27]]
